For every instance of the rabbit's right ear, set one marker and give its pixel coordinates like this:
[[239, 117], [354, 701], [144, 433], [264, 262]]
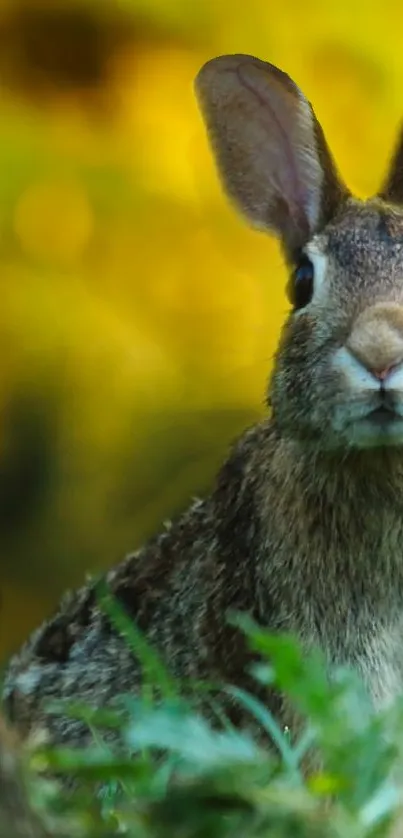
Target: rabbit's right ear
[[269, 147]]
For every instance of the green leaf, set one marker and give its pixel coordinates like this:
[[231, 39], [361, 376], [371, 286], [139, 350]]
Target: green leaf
[[155, 675], [96, 764], [189, 735], [269, 724]]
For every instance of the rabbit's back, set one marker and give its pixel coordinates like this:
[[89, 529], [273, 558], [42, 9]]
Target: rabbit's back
[[178, 589]]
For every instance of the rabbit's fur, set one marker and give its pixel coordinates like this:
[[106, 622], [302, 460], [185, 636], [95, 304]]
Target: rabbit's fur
[[304, 526]]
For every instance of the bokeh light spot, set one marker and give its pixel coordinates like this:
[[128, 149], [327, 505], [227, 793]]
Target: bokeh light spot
[[53, 221]]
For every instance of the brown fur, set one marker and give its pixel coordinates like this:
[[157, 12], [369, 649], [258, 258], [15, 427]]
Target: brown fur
[[303, 528]]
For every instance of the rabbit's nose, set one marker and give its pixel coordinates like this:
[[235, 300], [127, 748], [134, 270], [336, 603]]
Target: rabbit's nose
[[376, 339]]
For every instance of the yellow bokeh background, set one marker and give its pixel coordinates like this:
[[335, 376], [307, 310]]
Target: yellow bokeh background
[[138, 314]]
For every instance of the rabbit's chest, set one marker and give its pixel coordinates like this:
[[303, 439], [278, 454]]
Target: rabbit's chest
[[375, 650], [362, 627], [379, 661]]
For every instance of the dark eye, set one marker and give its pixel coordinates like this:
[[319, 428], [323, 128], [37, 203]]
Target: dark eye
[[301, 284]]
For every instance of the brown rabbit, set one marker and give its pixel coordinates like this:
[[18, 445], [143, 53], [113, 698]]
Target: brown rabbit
[[304, 526]]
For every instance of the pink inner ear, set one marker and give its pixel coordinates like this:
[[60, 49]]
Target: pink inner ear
[[263, 134]]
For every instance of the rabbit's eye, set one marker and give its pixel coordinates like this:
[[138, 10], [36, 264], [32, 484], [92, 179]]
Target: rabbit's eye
[[301, 284]]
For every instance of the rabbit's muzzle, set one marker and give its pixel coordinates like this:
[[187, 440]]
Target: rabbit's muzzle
[[371, 366]]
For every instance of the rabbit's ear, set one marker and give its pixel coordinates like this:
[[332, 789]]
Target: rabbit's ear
[[270, 150], [392, 189]]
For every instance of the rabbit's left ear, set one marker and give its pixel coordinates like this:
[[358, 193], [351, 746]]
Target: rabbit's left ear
[[269, 147], [392, 189]]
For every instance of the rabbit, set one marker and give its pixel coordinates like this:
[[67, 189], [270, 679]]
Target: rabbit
[[303, 526]]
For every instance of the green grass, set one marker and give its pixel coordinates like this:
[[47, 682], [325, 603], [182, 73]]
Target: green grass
[[174, 774]]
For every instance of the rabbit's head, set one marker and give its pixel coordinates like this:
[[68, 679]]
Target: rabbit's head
[[338, 374]]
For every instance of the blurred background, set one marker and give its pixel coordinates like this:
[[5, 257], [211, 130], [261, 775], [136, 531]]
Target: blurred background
[[138, 314]]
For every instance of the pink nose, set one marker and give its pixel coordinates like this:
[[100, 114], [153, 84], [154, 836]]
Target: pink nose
[[382, 374], [376, 339]]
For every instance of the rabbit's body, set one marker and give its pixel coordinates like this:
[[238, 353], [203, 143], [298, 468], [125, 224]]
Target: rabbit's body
[[301, 552], [304, 527]]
